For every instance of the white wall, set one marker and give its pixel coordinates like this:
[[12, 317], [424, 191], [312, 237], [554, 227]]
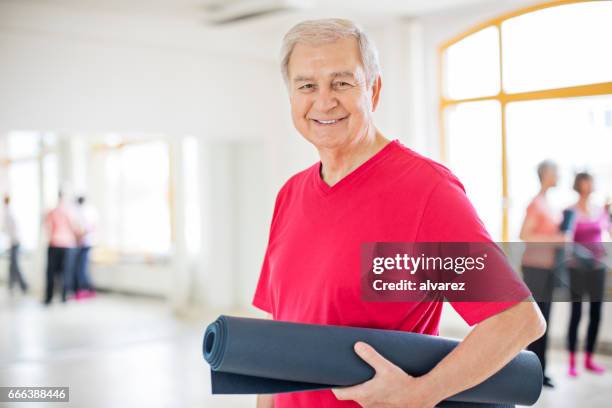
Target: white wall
[[70, 86], [78, 72], [399, 115]]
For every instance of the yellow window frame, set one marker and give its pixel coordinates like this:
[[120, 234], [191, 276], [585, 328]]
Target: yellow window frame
[[504, 98]]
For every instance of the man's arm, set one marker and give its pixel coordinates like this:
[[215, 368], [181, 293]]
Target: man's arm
[[488, 347], [265, 401]]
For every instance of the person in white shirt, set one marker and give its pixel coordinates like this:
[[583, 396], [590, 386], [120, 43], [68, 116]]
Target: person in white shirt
[[11, 230], [86, 218]]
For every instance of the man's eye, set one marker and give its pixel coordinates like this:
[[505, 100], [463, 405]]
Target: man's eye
[[342, 84], [306, 86]]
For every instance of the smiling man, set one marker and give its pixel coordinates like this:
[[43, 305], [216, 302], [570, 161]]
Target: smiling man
[[367, 188]]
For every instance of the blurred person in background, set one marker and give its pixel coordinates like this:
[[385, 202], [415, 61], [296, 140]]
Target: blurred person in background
[[587, 272], [11, 230], [541, 258], [86, 219], [63, 231]]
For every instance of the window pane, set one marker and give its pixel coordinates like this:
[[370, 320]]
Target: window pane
[[112, 199], [474, 153], [103, 173], [131, 196], [145, 212], [472, 65], [192, 195], [50, 180], [576, 133], [558, 47], [23, 144], [25, 200]]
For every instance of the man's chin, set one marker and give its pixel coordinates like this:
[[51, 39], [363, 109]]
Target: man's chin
[[327, 141]]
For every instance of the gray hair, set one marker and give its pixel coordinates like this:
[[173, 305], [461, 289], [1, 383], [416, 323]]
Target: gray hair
[[316, 32], [544, 166]]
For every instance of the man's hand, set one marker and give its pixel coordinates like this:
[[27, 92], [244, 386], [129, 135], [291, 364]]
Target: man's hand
[[488, 347], [390, 387], [265, 401]]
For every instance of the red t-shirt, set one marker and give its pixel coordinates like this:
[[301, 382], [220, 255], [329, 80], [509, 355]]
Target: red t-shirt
[[311, 270]]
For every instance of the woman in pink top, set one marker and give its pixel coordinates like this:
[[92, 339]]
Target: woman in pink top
[[541, 232], [587, 273], [63, 233]]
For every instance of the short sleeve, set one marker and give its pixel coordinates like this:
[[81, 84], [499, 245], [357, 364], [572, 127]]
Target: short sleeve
[[262, 298], [450, 217]]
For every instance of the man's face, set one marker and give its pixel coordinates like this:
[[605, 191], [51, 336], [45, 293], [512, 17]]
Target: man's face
[[331, 103]]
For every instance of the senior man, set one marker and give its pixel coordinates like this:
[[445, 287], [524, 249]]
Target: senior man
[[367, 188]]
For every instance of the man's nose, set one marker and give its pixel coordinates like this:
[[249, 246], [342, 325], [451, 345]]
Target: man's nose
[[325, 100]]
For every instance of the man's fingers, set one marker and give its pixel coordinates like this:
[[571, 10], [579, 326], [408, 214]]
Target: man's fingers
[[341, 393], [349, 393], [363, 392], [371, 356]]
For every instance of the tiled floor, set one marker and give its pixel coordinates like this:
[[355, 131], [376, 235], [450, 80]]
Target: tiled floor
[[116, 351], [587, 390], [112, 351]]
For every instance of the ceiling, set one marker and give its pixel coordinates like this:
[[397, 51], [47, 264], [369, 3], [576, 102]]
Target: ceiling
[[183, 23], [192, 10]]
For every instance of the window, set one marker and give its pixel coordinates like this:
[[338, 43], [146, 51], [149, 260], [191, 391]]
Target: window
[[131, 193], [523, 88], [24, 184], [21, 153], [574, 49], [475, 127], [192, 195], [472, 65], [574, 132]]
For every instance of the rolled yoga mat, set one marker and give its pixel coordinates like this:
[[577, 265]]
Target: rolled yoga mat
[[258, 356]]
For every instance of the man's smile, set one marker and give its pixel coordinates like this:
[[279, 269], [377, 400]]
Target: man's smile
[[328, 122]]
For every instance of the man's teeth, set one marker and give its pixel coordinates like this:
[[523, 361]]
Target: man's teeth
[[327, 122]]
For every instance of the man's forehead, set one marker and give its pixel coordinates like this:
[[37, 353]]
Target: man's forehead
[[332, 74], [338, 58]]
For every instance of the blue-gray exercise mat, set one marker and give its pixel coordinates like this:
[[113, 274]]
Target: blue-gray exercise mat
[[258, 356]]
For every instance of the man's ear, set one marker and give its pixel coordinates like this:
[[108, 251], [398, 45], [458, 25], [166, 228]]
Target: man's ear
[[376, 86]]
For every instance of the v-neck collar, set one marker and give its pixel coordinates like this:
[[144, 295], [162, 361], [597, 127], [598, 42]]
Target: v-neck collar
[[326, 189]]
